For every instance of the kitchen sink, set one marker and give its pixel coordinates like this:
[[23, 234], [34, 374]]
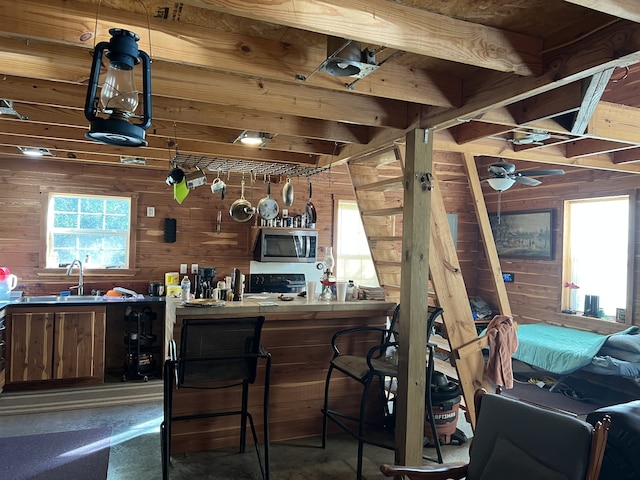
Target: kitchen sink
[[61, 299]]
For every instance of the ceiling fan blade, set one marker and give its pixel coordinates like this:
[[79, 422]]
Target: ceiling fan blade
[[540, 173], [532, 182]]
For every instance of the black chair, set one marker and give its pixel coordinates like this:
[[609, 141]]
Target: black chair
[[216, 354], [378, 364], [518, 440]]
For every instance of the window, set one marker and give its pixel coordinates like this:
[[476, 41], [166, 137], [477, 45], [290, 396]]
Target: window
[[93, 229], [596, 253], [353, 259]]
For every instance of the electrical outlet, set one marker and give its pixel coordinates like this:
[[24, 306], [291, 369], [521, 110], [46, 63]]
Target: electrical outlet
[[183, 268], [151, 212], [194, 268]]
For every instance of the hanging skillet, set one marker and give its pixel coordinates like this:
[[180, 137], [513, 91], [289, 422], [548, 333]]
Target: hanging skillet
[[311, 210], [267, 207], [287, 192], [241, 210]]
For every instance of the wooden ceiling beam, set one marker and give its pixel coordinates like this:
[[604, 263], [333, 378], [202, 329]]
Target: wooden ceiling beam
[[586, 147], [68, 96], [553, 154], [179, 131], [631, 155], [629, 9], [547, 105], [216, 87], [614, 45], [473, 130], [73, 139], [593, 89], [53, 21], [397, 26]]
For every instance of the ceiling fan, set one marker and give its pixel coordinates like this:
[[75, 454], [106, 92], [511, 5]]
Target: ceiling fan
[[504, 175]]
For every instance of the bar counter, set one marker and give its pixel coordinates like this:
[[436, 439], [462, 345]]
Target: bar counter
[[298, 335]]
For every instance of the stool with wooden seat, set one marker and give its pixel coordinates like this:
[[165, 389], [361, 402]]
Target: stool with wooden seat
[[375, 364]]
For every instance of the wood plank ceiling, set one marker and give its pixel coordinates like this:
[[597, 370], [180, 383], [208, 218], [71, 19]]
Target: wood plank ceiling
[[484, 75]]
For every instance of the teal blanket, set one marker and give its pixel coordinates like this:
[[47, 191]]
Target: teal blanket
[[559, 350]]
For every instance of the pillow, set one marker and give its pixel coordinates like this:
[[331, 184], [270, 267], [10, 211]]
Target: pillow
[[509, 462], [627, 356], [630, 343]]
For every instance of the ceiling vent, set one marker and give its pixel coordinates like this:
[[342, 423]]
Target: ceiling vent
[[346, 59]]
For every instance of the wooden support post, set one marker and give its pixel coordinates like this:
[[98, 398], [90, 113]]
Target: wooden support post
[[413, 298]]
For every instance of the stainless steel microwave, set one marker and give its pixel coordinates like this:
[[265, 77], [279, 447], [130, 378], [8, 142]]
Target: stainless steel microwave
[[286, 245]]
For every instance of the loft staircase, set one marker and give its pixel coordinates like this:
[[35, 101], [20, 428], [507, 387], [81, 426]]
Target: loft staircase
[[378, 180]]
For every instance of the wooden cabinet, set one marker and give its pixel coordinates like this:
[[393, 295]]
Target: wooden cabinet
[[58, 343]]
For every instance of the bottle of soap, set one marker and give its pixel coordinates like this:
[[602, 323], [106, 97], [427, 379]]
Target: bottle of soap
[[185, 294]]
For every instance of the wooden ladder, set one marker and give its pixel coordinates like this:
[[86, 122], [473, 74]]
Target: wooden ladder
[[378, 180]]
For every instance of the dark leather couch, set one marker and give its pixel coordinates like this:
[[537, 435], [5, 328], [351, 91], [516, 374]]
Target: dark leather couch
[[622, 455]]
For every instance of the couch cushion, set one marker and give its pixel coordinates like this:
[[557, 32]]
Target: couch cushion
[[621, 459], [630, 343]]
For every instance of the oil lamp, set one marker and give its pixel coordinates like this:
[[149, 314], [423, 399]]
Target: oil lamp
[[118, 96]]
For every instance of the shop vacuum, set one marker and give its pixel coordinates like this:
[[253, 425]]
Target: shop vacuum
[[445, 397]]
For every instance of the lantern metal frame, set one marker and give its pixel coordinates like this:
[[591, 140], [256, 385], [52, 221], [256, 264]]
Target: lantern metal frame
[[121, 49]]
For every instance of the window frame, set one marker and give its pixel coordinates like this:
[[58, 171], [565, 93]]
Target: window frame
[[45, 198], [566, 259]]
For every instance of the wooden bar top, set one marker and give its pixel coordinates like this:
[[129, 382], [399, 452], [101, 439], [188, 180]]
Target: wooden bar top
[[266, 304]]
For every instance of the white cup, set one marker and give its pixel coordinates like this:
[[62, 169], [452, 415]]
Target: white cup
[[341, 291], [218, 185], [311, 290]]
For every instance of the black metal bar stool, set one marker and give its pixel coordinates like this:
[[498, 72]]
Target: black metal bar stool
[[216, 354]]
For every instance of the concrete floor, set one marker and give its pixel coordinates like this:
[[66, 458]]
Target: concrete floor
[[135, 448]]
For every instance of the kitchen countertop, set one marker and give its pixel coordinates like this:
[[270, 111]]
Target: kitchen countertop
[[270, 303], [52, 300]]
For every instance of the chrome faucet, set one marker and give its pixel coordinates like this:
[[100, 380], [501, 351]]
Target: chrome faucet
[[80, 286]]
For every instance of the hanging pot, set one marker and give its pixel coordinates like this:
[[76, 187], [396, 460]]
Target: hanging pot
[[311, 209], [241, 210], [287, 192], [267, 207]]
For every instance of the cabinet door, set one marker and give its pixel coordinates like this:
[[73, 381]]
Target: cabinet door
[[79, 344], [30, 346]]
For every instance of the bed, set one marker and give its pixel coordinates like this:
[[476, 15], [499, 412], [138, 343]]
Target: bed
[[562, 350]]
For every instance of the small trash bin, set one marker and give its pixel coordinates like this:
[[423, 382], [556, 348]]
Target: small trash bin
[[445, 397]]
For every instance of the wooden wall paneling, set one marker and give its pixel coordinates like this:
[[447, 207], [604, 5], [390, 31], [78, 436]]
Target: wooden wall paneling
[[197, 240], [537, 291]]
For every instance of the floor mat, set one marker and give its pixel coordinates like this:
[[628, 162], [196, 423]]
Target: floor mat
[[56, 456]]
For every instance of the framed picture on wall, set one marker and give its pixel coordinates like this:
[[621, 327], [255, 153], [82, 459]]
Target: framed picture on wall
[[524, 234]]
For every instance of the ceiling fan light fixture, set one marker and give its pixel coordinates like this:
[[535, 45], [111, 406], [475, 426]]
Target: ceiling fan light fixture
[[501, 184], [118, 96]]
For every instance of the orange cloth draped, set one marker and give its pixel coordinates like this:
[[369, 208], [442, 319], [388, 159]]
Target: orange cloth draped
[[503, 342]]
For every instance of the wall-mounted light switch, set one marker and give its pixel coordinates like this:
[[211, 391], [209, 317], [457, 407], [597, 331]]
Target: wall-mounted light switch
[[194, 268], [183, 268], [151, 212]]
